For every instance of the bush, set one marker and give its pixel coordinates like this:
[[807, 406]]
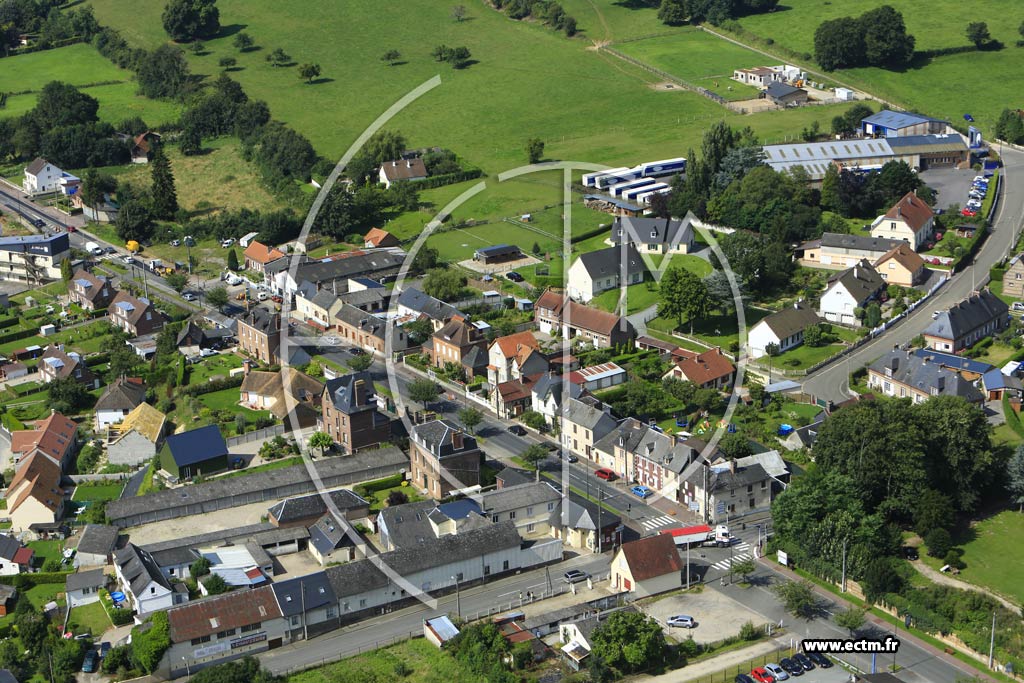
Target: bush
[[953, 558], [120, 616], [750, 632], [939, 542], [212, 386]]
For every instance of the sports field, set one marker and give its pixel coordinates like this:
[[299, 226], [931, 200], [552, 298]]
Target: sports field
[[979, 83]]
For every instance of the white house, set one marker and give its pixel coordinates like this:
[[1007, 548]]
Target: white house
[[851, 289], [402, 169], [41, 176], [14, 557], [83, 588], [647, 567], [783, 328], [910, 220], [141, 580], [118, 400], [601, 270]]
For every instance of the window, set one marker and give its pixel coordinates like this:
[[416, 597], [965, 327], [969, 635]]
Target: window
[[330, 612], [494, 518], [751, 503], [512, 515], [362, 603], [458, 577], [252, 627], [295, 620], [226, 634], [200, 641], [764, 484], [551, 507], [750, 488], [504, 566], [529, 510], [530, 528]]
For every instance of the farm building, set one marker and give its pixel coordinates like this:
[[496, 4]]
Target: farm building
[[784, 95], [499, 253], [892, 124]]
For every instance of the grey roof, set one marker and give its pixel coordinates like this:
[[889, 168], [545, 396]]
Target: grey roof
[[5, 674], [324, 299], [313, 505], [121, 395], [862, 281], [378, 262], [254, 485], [515, 497], [436, 436], [589, 417], [362, 297], [780, 89], [139, 568], [475, 358], [928, 144], [88, 579], [422, 302], [327, 535], [9, 545], [36, 166], [466, 545], [510, 476], [973, 312], [311, 590], [638, 230], [98, 539], [307, 290], [580, 513], [916, 372], [887, 118], [407, 524], [771, 461], [721, 478], [366, 322], [354, 578], [858, 242], [605, 262], [557, 386], [816, 157], [790, 320], [181, 551], [341, 391], [262, 320]]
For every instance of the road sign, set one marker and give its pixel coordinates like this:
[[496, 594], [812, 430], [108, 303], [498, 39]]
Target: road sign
[[783, 558], [694, 506]]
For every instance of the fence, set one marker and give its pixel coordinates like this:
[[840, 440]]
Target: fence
[[114, 477], [256, 435], [714, 97]]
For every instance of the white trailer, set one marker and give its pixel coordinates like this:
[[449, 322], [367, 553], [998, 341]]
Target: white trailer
[[702, 535], [645, 192], [609, 179], [656, 169], [590, 179], [617, 190]]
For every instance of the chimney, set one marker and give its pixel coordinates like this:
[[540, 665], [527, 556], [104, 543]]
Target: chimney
[[359, 392], [732, 465], [246, 366], [855, 273], [894, 363], [457, 440], [899, 211], [408, 164]]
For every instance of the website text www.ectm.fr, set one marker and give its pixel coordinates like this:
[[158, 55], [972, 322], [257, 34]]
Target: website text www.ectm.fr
[[888, 644]]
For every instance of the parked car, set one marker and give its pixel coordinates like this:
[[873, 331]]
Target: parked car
[[189, 296], [605, 473], [331, 341], [1017, 306], [682, 621], [262, 296], [206, 353], [572, 458], [227, 243], [514, 276], [276, 299], [356, 351], [575, 576], [128, 258], [970, 213], [804, 661], [743, 678], [518, 430], [791, 667], [910, 552], [83, 636], [72, 228], [761, 676], [820, 659], [642, 491], [90, 661], [777, 672], [104, 649], [109, 250]]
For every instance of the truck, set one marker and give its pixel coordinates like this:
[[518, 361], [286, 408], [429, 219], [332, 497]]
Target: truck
[[701, 536], [93, 248]]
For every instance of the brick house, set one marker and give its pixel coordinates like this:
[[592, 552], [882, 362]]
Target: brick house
[[708, 370], [454, 342], [259, 335], [89, 291], [258, 255], [135, 316], [349, 413], [443, 458], [978, 316], [56, 364]]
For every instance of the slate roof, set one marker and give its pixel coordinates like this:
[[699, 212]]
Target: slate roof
[[552, 385], [262, 320], [312, 590], [421, 302], [652, 557], [88, 579], [197, 445], [327, 535], [436, 437], [37, 165], [589, 417], [606, 262], [62, 364], [953, 361], [581, 513], [232, 610], [324, 299], [134, 308], [888, 118], [139, 568], [98, 539], [499, 250], [790, 320], [914, 371], [354, 578], [341, 391], [968, 315], [723, 479], [93, 284], [466, 545], [838, 240], [368, 323], [459, 333], [642, 230], [9, 547], [994, 380], [408, 524], [304, 507], [334, 268], [515, 497], [778, 89], [862, 281], [123, 394]]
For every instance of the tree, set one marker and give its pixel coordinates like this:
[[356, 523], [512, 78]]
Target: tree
[[199, 568], [851, 619], [534, 455], [683, 294], [1015, 476], [533, 420], [744, 568], [227, 63], [872, 315], [217, 297], [165, 196], [813, 335], [444, 284], [391, 57], [163, 73], [629, 642], [880, 577], [123, 360], [673, 12], [190, 142], [886, 41], [977, 33], [426, 259], [67, 395], [397, 497], [232, 260], [893, 181], [197, 47], [177, 281], [66, 271], [149, 645], [470, 418], [279, 57], [459, 12], [308, 72], [797, 597], [535, 150], [839, 43], [321, 440], [939, 542], [186, 20], [1010, 127], [423, 391], [360, 362], [735, 445], [215, 585], [933, 510], [94, 186], [243, 42]]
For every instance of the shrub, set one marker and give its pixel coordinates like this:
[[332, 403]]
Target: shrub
[[939, 542]]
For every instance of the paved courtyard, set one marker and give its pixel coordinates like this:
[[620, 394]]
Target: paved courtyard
[[717, 616]]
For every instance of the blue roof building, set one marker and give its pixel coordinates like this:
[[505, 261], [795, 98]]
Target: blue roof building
[[198, 452], [892, 124]]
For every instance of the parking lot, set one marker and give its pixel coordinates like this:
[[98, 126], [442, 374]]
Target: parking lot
[[950, 184], [717, 615]]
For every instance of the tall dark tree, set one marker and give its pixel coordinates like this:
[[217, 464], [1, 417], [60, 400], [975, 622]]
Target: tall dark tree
[[165, 196], [190, 142], [134, 221], [673, 12], [95, 185], [60, 104], [839, 43], [163, 73], [886, 41], [977, 33], [186, 20]]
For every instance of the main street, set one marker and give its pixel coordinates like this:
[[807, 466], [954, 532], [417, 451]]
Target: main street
[[831, 383]]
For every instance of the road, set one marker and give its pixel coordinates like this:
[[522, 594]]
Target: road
[[831, 383]]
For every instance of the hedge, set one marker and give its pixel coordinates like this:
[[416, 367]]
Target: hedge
[[17, 334], [448, 179], [214, 385], [181, 371], [379, 485], [97, 359], [4, 324], [25, 581], [593, 232], [979, 236]]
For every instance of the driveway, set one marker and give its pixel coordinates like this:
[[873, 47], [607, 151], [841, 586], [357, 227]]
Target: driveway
[[718, 616]]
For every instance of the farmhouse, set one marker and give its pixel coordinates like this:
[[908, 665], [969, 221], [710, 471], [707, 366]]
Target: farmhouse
[[647, 567], [851, 289], [962, 325], [910, 220], [402, 169], [904, 375], [137, 438], [601, 270], [784, 329], [892, 124], [902, 266], [654, 235], [33, 258], [194, 453]]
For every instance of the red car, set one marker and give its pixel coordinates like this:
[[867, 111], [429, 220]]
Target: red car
[[969, 212], [605, 473], [72, 228], [761, 675]]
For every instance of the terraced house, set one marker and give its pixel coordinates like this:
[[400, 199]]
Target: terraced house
[[91, 292], [978, 316], [136, 316]]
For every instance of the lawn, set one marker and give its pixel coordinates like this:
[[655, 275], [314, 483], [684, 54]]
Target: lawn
[[265, 467], [214, 366], [117, 97], [985, 547], [638, 297], [99, 492], [801, 357], [423, 663], [227, 399], [699, 58], [89, 618], [946, 86], [378, 499], [46, 550], [715, 330]]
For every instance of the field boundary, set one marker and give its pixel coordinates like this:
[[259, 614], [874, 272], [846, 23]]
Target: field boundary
[[714, 97]]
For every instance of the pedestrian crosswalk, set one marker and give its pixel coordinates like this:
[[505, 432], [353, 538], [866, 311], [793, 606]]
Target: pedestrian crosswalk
[[657, 522], [740, 552]]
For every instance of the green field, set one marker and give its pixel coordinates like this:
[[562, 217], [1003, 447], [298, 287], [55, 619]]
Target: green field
[[97, 492], [699, 58], [638, 297], [979, 83], [993, 552], [79, 65]]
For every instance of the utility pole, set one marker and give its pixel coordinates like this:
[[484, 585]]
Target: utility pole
[[842, 587], [600, 529], [458, 597], [992, 642], [687, 566], [302, 593]]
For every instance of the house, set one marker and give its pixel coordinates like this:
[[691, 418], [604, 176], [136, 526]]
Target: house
[[557, 315], [259, 335], [891, 124], [996, 385], [904, 375], [143, 146], [138, 438], [34, 495], [308, 604], [1013, 277], [291, 395], [302, 511], [418, 305], [244, 565], [784, 329], [329, 542], [349, 413], [9, 371], [458, 342], [533, 507], [598, 377], [14, 557], [83, 588], [759, 77], [368, 331], [709, 369], [33, 258], [902, 266], [548, 394], [837, 251], [910, 220], [56, 364], [968, 368], [8, 596], [514, 356], [144, 585], [402, 169], [366, 294], [647, 567], [342, 267], [118, 399], [317, 310], [718, 492], [601, 270], [54, 438], [379, 239], [443, 458], [784, 94], [979, 315], [583, 425], [258, 255], [223, 627], [42, 177], [91, 292], [654, 235], [497, 254], [513, 398], [853, 288], [96, 545], [135, 316], [194, 337], [413, 525], [585, 524], [194, 453]]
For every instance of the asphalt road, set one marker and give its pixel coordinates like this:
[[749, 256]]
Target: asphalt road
[[832, 381]]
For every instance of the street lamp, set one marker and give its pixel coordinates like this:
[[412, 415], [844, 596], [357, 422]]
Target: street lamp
[[189, 243], [458, 597], [188, 672]]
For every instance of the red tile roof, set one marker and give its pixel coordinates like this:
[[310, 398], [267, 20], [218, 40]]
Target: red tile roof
[[221, 613], [903, 255], [376, 236], [704, 367], [912, 210], [516, 345], [54, 436], [652, 557], [261, 253], [23, 556], [42, 477]]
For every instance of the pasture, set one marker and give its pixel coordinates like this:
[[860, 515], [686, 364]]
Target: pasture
[[993, 551], [979, 83]]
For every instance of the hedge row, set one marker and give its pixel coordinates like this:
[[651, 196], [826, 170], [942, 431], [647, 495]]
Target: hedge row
[[379, 485], [448, 179], [4, 324], [214, 385], [25, 581], [16, 335], [593, 232]]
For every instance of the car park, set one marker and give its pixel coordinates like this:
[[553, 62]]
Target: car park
[[641, 491], [760, 675], [776, 671], [791, 667], [605, 473], [682, 621], [575, 576], [518, 430], [804, 661]]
